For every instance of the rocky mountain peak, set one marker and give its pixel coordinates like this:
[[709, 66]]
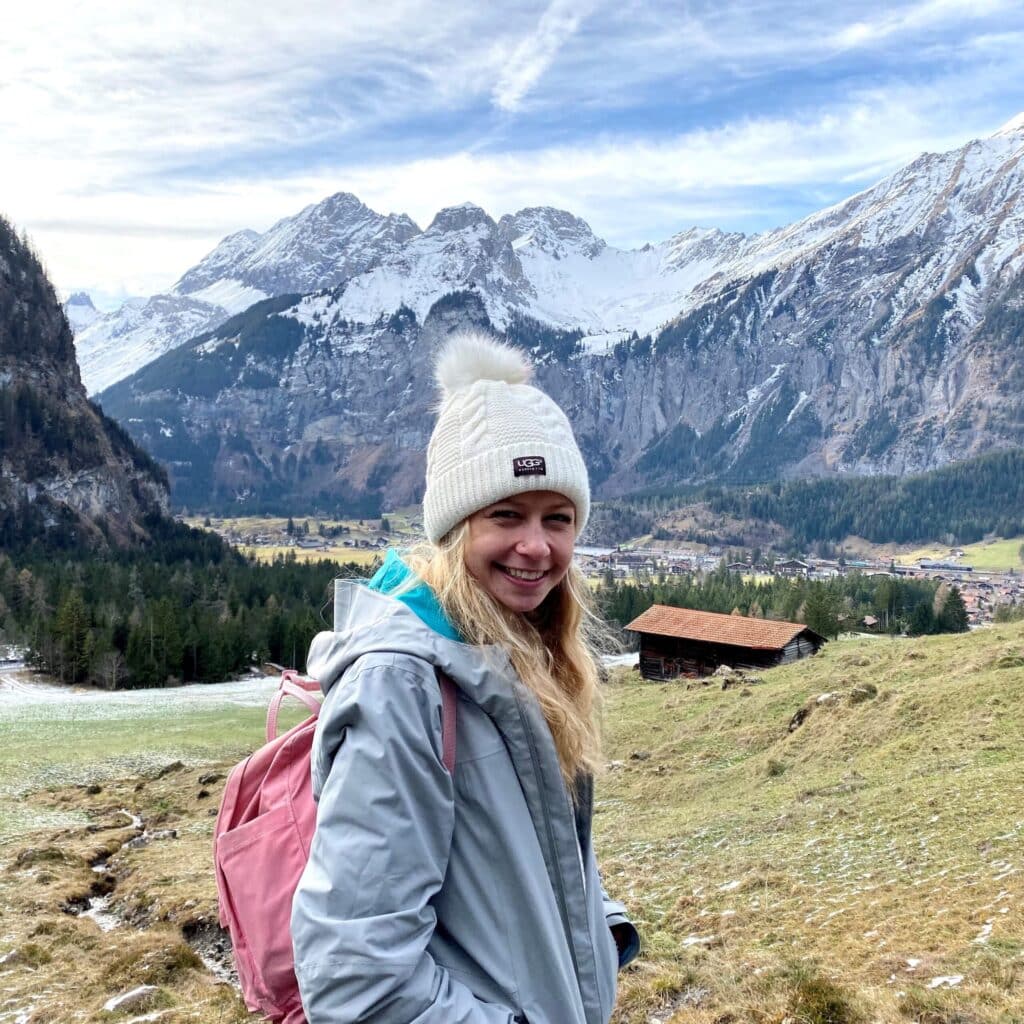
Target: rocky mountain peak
[[458, 218], [80, 311], [556, 232]]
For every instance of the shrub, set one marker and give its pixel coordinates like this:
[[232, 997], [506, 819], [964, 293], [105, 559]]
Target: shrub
[[862, 692]]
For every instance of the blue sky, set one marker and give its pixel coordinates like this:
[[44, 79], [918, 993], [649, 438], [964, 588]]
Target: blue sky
[[134, 136]]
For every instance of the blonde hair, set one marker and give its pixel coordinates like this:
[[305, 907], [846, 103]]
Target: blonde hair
[[552, 649]]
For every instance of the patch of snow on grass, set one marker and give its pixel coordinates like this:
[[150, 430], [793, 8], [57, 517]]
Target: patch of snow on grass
[[946, 981]]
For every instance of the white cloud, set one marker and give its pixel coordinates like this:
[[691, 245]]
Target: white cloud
[[636, 190], [535, 53], [914, 18], [133, 137]]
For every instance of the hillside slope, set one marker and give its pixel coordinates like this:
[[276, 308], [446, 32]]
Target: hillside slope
[[66, 470], [829, 875], [867, 852]]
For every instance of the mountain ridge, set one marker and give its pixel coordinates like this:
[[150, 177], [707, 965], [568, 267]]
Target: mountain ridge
[[880, 335]]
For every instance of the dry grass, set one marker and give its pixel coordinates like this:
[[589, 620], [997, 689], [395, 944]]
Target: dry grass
[[873, 850], [822, 876], [64, 968], [334, 553]]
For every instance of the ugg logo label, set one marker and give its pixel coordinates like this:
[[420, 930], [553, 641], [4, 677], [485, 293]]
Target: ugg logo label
[[529, 465]]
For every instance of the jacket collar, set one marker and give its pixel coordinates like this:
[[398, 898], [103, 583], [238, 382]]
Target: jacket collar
[[394, 577]]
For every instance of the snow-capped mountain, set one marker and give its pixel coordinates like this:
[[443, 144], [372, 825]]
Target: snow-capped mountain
[[543, 263], [324, 244], [317, 248], [80, 311], [882, 334]]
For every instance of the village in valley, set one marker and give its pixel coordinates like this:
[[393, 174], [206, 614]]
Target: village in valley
[[640, 563]]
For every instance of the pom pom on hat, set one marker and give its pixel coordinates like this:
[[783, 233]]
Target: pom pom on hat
[[496, 435], [472, 355]]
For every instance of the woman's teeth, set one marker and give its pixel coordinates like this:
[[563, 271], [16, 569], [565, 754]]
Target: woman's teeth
[[523, 574]]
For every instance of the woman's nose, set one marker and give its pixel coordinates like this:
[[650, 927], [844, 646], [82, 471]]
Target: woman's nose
[[533, 542]]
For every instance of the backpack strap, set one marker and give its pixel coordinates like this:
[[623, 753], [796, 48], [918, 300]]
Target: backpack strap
[[449, 700], [291, 685], [294, 685]]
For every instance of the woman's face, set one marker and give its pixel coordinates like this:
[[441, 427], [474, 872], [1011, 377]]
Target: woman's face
[[519, 549]]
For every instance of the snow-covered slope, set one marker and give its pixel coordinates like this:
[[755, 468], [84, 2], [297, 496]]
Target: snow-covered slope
[[317, 248], [543, 263], [80, 311]]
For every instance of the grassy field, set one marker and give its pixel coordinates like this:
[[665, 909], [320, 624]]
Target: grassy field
[[335, 553], [994, 555], [866, 865], [249, 527], [837, 872], [93, 737]]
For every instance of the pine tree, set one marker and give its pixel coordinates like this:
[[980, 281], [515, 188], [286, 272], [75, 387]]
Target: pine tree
[[73, 638], [953, 618]]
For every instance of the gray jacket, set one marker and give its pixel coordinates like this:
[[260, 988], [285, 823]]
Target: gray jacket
[[429, 899]]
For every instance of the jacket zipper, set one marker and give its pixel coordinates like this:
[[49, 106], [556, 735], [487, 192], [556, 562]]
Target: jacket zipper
[[559, 881]]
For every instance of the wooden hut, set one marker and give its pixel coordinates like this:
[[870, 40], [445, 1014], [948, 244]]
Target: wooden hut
[[680, 641]]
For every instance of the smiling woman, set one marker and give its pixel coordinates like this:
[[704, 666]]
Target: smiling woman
[[476, 889], [520, 548]]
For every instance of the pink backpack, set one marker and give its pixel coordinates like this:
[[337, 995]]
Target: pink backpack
[[261, 844]]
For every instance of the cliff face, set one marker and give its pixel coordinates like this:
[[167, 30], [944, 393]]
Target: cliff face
[[885, 334], [67, 472]]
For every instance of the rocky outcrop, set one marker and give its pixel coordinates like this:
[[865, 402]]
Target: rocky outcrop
[[67, 472]]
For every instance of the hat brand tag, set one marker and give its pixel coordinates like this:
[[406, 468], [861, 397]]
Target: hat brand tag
[[529, 465]]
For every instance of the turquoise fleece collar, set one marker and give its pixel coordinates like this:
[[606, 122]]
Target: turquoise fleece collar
[[419, 599]]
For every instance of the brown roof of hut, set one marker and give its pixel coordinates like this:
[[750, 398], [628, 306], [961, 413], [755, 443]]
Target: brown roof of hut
[[713, 627]]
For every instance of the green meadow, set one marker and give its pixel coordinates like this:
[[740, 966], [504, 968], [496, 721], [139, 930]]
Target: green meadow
[[839, 841]]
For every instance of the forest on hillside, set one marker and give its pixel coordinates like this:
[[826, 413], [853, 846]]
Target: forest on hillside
[[958, 504], [188, 609], [914, 606]]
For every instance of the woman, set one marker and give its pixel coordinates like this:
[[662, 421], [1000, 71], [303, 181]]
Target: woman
[[472, 897]]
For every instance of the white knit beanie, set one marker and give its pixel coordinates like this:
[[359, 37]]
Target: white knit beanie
[[496, 435]]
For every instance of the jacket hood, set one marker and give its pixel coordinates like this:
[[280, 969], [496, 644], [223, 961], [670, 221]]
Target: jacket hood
[[367, 621]]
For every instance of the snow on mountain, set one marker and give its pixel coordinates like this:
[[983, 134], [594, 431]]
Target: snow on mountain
[[936, 193], [549, 265], [80, 311], [612, 290], [544, 263], [1015, 124], [118, 344], [461, 249], [318, 247]]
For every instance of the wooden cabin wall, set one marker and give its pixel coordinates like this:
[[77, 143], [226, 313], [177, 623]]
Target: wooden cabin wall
[[663, 657]]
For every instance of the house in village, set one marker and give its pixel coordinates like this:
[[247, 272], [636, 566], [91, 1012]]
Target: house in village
[[680, 641], [792, 567]]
